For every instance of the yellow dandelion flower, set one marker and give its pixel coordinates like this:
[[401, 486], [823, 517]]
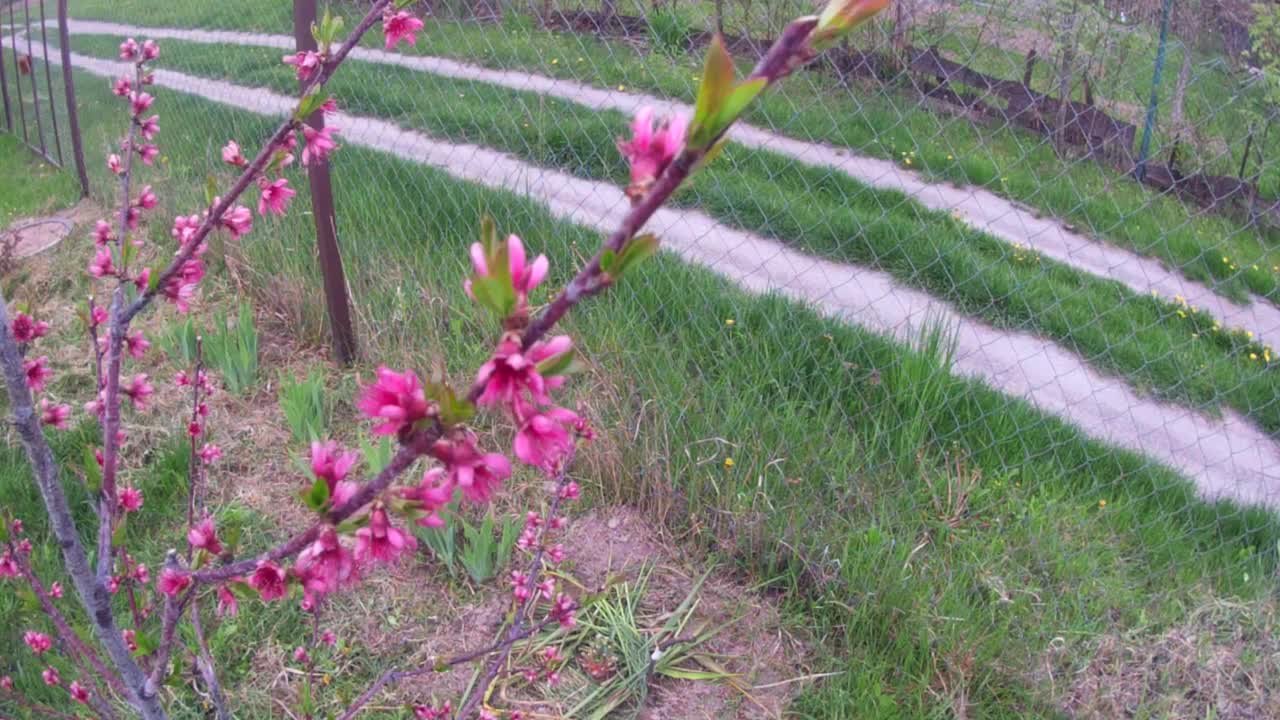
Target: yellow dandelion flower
[[622, 88], [1155, 294], [1266, 355], [949, 157], [1102, 504], [1182, 314], [730, 322], [1253, 356], [1226, 260], [1248, 334], [728, 463], [555, 61], [581, 60]]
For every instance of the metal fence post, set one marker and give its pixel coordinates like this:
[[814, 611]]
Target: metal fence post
[[335, 283], [69, 88], [1140, 170]]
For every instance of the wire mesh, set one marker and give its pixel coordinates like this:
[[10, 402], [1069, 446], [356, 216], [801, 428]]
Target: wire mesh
[[918, 291]]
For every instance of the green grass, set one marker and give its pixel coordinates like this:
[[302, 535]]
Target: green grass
[[872, 119], [31, 186], [818, 211], [825, 504]]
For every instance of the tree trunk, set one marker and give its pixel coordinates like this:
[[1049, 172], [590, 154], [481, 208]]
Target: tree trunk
[[1029, 68], [901, 38]]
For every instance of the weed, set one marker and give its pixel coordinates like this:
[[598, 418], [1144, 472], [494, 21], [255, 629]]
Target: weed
[[232, 350], [305, 406]]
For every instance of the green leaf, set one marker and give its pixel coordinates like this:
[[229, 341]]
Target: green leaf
[[495, 293], [310, 103], [210, 189], [841, 16], [737, 101], [146, 643], [4, 528], [558, 365], [607, 260], [640, 248], [117, 537], [717, 83], [318, 496], [30, 602], [92, 471]]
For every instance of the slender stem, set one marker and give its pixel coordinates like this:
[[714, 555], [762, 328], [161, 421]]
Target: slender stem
[[173, 609], [74, 645], [93, 594], [205, 664]]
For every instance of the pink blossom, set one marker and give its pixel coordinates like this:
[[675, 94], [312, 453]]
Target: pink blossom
[[137, 344], [331, 463], [328, 638], [148, 153], [79, 693], [512, 372], [184, 228], [130, 499], [140, 574], [275, 196], [435, 492], [570, 491], [38, 373], [150, 127], [113, 584], [425, 712], [231, 154], [113, 164], [227, 602], [301, 656], [520, 586], [204, 535], [238, 221], [139, 390], [210, 453], [143, 280], [173, 582], [51, 677], [525, 276], [476, 474], [325, 565], [150, 50], [8, 568], [140, 102], [25, 328], [319, 144], [147, 199], [6, 683], [122, 87], [563, 611], [556, 553], [97, 316], [129, 49], [400, 26], [55, 590], [103, 233], [54, 415], [37, 641], [181, 287], [380, 541], [329, 106], [396, 399], [543, 439], [306, 62], [131, 217], [547, 588], [16, 526], [24, 546], [130, 639], [149, 79], [269, 580], [651, 150]]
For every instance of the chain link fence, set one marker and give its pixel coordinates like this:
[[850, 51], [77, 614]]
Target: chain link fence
[[972, 319]]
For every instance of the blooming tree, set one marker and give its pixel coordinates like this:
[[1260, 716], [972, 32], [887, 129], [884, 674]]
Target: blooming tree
[[136, 605]]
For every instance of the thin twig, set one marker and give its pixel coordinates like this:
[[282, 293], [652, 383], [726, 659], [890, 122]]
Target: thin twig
[[205, 664]]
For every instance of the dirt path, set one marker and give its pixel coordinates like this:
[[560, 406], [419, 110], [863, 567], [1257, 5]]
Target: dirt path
[[976, 207], [1227, 457]]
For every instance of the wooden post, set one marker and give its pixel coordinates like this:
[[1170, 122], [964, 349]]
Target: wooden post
[[335, 282], [69, 89]]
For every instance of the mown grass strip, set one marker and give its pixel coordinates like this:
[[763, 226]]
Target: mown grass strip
[[1178, 353]]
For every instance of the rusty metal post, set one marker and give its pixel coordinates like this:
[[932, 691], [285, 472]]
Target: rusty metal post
[[48, 82], [335, 282], [69, 87], [17, 72], [4, 94], [35, 80]]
